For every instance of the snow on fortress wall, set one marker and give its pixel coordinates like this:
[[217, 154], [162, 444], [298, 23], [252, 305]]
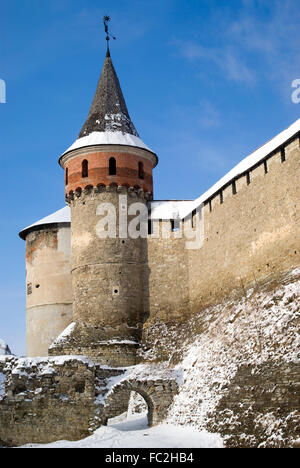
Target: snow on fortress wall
[[228, 313], [252, 235]]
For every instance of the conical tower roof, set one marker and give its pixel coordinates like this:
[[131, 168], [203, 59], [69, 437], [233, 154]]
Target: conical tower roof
[[108, 121], [108, 111]]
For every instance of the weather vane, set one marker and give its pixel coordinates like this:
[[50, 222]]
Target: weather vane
[[106, 20]]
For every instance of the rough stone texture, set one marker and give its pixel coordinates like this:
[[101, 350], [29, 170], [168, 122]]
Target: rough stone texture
[[90, 341], [46, 401], [109, 279], [158, 395], [240, 363], [49, 287], [50, 399], [253, 236], [259, 401], [169, 277]]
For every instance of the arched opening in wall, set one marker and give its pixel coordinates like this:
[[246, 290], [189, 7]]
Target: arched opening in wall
[[138, 413], [112, 167], [67, 176], [85, 168], [141, 170]]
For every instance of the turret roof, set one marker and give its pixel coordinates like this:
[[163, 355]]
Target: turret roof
[[108, 111], [60, 217], [108, 121]]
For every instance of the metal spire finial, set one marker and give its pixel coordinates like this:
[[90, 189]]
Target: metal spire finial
[[106, 20]]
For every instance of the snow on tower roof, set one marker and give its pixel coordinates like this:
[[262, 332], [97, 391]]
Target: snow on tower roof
[[108, 121], [108, 138], [62, 216], [168, 208]]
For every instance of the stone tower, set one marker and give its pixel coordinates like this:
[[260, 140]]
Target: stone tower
[[109, 275], [49, 292]]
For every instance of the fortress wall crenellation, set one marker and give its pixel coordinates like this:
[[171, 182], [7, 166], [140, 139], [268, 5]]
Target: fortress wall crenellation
[[251, 235], [262, 167], [254, 234]]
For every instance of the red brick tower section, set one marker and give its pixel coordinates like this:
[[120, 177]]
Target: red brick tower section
[[108, 165], [110, 276]]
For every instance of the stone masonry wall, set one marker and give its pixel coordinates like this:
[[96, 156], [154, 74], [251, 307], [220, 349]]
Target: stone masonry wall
[[49, 292], [253, 236], [240, 364], [68, 397], [109, 276], [46, 400], [169, 277]]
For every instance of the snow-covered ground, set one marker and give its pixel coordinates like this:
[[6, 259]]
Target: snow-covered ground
[[134, 433]]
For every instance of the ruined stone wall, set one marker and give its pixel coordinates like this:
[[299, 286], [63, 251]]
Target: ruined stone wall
[[49, 287], [46, 400], [68, 397]]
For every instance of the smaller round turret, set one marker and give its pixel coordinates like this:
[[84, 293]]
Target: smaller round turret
[[49, 295]]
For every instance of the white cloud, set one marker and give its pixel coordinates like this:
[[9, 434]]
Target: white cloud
[[226, 58], [259, 43]]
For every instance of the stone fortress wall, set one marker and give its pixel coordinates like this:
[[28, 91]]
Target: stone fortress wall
[[251, 235], [251, 240], [223, 313]]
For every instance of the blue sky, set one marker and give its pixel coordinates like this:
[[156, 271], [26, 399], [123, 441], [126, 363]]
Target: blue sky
[[206, 82]]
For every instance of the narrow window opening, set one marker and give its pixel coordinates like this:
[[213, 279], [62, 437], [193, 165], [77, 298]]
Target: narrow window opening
[[141, 170], [283, 156], [248, 177], [67, 176], [150, 227], [175, 225], [85, 168], [112, 167], [234, 187], [221, 197], [193, 218], [210, 205], [266, 167]]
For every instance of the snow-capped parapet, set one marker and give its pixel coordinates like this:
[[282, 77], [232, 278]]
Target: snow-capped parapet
[[4, 349]]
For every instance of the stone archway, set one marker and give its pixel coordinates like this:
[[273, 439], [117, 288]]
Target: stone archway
[[158, 394]]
